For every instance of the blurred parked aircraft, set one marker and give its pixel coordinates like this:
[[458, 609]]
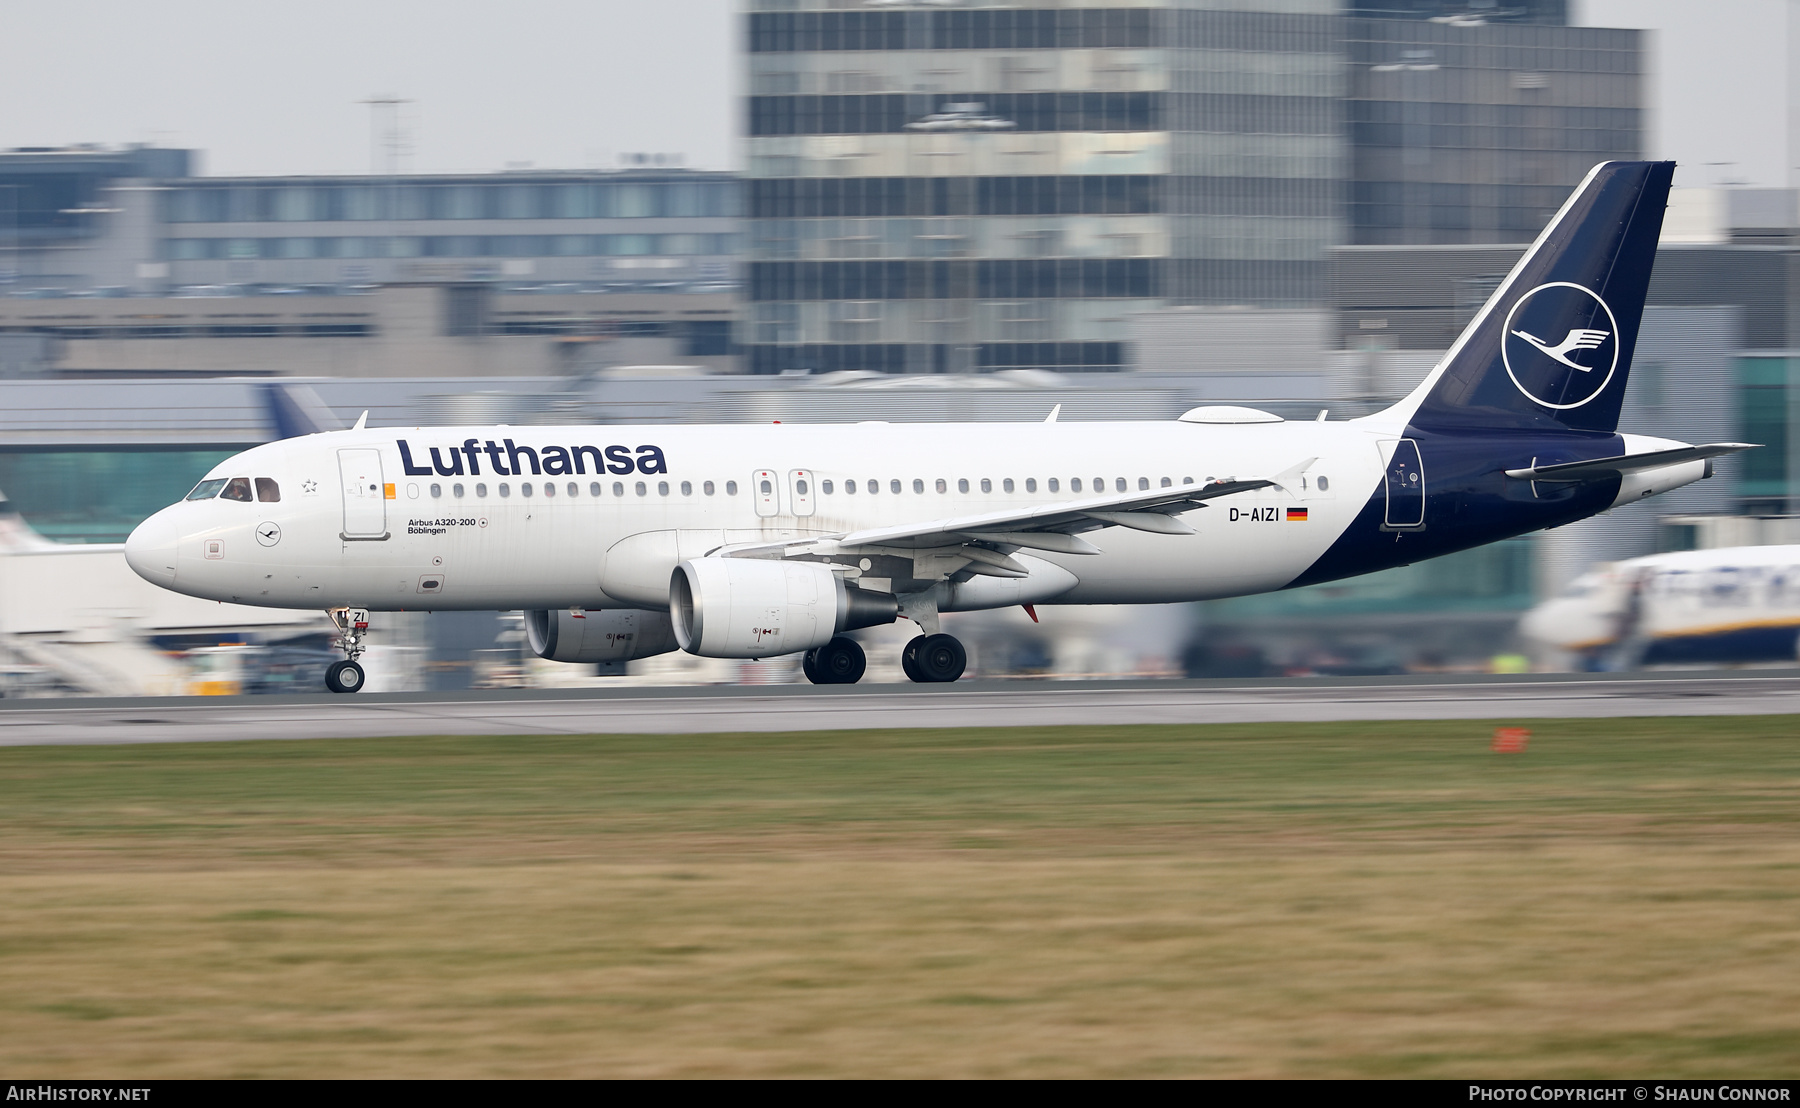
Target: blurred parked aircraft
[[1737, 604], [78, 617]]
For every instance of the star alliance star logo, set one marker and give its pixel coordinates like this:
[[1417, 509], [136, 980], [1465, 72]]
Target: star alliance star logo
[[309, 487]]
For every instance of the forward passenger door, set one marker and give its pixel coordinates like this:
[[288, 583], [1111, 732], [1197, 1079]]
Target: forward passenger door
[[365, 494]]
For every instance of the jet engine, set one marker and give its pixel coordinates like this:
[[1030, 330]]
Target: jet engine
[[759, 608], [612, 635]]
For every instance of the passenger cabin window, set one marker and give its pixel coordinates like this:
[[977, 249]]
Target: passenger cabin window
[[1030, 484], [238, 488], [206, 490], [267, 490], [593, 488]]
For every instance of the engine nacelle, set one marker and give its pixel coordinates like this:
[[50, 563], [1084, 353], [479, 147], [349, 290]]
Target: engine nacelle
[[763, 608], [612, 635]]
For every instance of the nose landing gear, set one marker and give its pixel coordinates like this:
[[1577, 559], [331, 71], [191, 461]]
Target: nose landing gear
[[352, 624]]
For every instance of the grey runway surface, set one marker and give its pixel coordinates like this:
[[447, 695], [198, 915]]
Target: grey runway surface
[[968, 704]]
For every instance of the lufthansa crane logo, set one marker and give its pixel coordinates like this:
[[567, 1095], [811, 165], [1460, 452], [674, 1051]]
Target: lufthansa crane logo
[[1561, 345]]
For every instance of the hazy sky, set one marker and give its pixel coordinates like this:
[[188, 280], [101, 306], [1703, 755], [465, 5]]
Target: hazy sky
[[273, 87], [268, 88], [1719, 87]]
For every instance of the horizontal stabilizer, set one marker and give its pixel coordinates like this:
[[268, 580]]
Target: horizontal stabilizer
[[1626, 463]]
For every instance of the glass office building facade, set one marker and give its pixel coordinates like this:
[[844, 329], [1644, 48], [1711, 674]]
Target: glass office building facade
[[939, 188], [1474, 131]]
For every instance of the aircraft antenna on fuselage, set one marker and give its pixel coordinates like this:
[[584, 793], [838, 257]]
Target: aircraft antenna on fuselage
[[1054, 412], [361, 420]]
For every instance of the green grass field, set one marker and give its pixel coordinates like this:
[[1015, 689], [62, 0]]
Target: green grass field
[[1381, 899]]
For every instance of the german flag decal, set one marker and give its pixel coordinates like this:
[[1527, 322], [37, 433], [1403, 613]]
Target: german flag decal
[[1296, 514]]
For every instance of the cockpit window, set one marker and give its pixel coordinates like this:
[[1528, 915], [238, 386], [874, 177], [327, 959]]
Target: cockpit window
[[238, 488], [206, 490], [267, 490]]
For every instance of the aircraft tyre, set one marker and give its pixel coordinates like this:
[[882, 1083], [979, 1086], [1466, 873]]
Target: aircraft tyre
[[909, 659], [344, 677], [931, 659], [839, 662]]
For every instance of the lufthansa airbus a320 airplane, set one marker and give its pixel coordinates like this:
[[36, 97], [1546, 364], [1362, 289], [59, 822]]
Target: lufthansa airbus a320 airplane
[[757, 541]]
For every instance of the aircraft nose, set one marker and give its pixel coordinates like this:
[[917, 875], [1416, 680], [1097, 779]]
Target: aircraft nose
[[150, 550]]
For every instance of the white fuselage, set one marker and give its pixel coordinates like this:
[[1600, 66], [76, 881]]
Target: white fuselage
[[356, 529]]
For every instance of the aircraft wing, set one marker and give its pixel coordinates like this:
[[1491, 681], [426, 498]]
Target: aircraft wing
[[1626, 463], [1053, 526]]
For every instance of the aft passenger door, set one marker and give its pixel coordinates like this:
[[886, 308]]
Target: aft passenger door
[[1405, 481], [365, 494]]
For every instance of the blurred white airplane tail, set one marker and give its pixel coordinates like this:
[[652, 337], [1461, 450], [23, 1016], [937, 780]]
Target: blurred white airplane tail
[[16, 536]]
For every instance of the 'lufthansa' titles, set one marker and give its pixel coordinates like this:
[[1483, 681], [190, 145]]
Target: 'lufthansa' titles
[[508, 459]]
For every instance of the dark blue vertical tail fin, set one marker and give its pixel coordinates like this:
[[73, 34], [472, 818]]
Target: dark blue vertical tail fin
[[1551, 350]]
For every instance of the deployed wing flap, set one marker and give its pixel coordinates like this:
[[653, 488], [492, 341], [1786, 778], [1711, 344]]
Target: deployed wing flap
[[1626, 463]]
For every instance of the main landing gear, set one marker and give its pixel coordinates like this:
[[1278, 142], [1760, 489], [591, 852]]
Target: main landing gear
[[839, 662], [352, 624], [929, 659]]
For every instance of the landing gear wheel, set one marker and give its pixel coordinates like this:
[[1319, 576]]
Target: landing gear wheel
[[839, 662], [909, 659], [344, 677], [931, 659]]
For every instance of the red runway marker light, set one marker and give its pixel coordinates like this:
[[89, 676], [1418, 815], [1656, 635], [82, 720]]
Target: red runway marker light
[[1511, 740]]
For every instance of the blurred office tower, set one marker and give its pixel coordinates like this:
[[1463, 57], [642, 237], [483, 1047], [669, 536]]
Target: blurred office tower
[[1466, 127], [955, 188], [941, 187]]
